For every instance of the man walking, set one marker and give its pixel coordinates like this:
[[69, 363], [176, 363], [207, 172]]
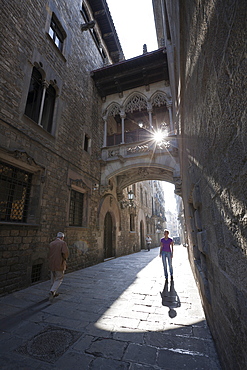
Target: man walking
[[58, 254], [166, 252]]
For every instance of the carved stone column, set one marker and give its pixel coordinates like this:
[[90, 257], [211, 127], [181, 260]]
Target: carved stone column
[[45, 85], [123, 116], [169, 107], [150, 111]]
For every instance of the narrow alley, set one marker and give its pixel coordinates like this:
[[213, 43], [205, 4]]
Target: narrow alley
[[114, 315]]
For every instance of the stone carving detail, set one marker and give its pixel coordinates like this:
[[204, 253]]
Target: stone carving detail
[[24, 157], [159, 99], [79, 183], [120, 195], [138, 149], [163, 172], [104, 189], [136, 103], [143, 172], [113, 153], [163, 144], [114, 110], [178, 186]]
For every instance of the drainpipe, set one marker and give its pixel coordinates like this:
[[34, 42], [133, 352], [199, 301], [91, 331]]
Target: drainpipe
[[105, 131]]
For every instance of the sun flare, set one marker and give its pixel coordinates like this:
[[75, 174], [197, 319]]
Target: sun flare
[[159, 136]]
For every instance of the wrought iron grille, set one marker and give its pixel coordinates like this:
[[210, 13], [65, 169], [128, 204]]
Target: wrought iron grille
[[15, 187], [36, 273], [76, 208]]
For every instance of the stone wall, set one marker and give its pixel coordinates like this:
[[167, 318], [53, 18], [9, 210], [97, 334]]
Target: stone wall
[[213, 154], [57, 160], [52, 158]]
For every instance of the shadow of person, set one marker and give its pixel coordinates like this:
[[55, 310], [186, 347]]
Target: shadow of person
[[170, 298]]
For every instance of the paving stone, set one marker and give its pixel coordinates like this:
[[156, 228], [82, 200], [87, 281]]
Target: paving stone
[[74, 360], [137, 337], [118, 328], [109, 364], [108, 348], [170, 360], [141, 354]]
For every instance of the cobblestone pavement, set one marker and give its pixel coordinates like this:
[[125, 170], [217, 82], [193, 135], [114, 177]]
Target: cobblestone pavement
[[115, 315]]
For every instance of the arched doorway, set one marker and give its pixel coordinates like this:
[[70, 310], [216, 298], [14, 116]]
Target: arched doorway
[[108, 236], [142, 239]]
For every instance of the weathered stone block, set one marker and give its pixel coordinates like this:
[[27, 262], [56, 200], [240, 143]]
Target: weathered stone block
[[198, 222], [202, 241], [196, 196]]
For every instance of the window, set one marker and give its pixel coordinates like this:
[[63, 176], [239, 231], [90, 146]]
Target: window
[[56, 32], [34, 96], [146, 198], [76, 208], [132, 222], [48, 110], [87, 143], [36, 273], [15, 186], [87, 18], [85, 13], [40, 101], [141, 195]]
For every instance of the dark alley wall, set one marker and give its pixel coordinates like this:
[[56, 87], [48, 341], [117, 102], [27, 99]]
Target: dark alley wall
[[213, 154]]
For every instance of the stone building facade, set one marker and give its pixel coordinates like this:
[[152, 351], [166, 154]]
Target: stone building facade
[[51, 136], [46, 58], [206, 51]]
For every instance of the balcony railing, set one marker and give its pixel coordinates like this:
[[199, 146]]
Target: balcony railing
[[129, 137], [139, 148]]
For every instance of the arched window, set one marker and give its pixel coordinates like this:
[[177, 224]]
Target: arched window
[[132, 222], [34, 96], [48, 109], [40, 101]]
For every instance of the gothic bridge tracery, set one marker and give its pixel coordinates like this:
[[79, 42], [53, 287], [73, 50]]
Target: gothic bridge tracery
[[139, 134], [126, 164]]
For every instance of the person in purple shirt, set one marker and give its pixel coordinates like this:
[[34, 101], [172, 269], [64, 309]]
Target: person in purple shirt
[[166, 252]]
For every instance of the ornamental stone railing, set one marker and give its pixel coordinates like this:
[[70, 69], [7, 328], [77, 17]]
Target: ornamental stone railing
[[168, 145]]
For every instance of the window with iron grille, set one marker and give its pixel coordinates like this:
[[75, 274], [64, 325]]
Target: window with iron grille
[[56, 32], [76, 208], [36, 273], [15, 187]]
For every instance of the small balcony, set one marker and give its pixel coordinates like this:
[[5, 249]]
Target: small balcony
[[139, 143], [129, 137]]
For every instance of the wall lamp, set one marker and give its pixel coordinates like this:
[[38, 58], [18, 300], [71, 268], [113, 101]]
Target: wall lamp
[[130, 202]]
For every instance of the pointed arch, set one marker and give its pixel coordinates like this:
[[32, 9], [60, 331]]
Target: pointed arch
[[159, 98], [113, 109], [135, 102]]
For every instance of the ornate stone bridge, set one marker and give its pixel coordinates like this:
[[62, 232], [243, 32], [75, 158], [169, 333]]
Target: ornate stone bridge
[[125, 164], [136, 104]]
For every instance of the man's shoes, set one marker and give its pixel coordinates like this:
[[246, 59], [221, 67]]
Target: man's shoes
[[56, 295]]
